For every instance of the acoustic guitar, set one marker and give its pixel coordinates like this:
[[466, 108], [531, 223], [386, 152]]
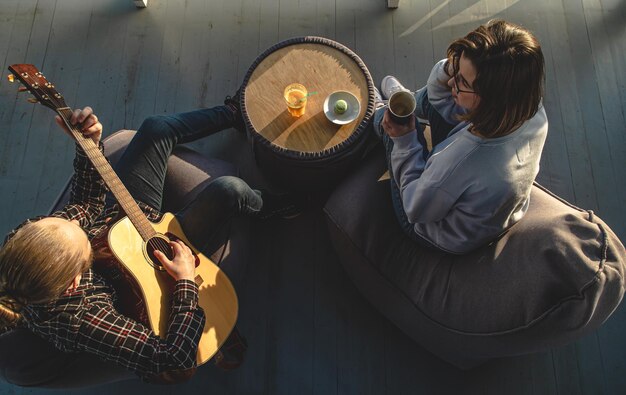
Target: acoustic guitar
[[127, 248]]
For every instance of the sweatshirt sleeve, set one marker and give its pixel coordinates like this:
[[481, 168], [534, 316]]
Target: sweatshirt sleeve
[[423, 198], [440, 94]]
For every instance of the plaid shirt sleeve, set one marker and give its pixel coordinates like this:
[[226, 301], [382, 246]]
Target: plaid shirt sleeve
[[130, 344], [87, 192]]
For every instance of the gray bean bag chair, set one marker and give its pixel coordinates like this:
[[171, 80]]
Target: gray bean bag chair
[[27, 360], [555, 276]]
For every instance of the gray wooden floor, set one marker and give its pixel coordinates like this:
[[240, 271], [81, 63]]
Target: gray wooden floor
[[310, 331]]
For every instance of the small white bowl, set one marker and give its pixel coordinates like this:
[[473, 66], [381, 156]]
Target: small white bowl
[[354, 107]]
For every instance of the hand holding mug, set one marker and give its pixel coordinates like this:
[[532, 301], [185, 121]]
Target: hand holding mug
[[394, 129]]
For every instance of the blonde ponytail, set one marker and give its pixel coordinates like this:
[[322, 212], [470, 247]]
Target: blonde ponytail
[[36, 266], [9, 311]]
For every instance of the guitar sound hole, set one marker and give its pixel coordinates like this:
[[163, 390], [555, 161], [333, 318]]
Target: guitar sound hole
[[159, 243]]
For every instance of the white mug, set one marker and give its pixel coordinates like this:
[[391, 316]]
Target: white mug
[[401, 106]]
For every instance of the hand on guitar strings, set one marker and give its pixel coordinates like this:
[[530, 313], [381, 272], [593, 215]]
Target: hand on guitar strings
[[183, 265], [86, 120]]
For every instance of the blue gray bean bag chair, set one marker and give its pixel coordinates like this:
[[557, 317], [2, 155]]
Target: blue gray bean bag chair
[[555, 276]]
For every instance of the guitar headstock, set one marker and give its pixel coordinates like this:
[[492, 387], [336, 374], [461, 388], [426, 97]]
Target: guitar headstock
[[37, 85]]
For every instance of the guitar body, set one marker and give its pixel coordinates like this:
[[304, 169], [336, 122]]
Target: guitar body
[[145, 292]]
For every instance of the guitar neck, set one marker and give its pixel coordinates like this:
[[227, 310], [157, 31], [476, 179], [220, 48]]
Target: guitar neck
[[110, 178]]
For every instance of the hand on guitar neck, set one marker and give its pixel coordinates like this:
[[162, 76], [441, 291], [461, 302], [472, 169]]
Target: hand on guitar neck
[[183, 264], [88, 121]]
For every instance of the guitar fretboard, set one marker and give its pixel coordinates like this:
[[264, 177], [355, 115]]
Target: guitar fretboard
[[124, 198]]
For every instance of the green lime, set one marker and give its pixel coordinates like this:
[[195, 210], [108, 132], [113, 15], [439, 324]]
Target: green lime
[[341, 106]]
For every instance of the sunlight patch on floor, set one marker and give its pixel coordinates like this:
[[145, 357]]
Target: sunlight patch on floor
[[474, 12]]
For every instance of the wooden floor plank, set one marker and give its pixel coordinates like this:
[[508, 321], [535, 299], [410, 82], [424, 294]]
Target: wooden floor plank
[[613, 349], [609, 101], [19, 27], [502, 376], [614, 12], [144, 46], [566, 370], [194, 59], [255, 312], [48, 142], [575, 138], [594, 125], [325, 21], [169, 59], [7, 19], [7, 25], [249, 49], [137, 88], [442, 34], [224, 49], [28, 132], [296, 17], [360, 345], [588, 96], [329, 279], [413, 51], [555, 172], [410, 369], [292, 299], [70, 26], [589, 357], [100, 75], [345, 25], [374, 38], [269, 24], [542, 369]]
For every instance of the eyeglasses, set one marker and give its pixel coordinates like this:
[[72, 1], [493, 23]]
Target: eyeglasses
[[456, 85]]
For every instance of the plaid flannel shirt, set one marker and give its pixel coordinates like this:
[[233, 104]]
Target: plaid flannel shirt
[[86, 319]]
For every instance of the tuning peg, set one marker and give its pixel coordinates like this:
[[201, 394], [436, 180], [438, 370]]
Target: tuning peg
[[22, 89], [11, 78], [32, 100]]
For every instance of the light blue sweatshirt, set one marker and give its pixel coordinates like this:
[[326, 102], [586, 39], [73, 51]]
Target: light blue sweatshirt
[[470, 189]]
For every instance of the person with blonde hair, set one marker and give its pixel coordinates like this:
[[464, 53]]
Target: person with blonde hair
[[46, 281], [488, 127]]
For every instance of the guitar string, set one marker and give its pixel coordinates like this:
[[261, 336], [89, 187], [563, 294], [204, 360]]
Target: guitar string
[[108, 173], [122, 195]]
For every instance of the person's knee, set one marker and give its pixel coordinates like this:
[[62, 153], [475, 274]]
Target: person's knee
[[156, 128], [423, 106], [377, 121], [227, 191]]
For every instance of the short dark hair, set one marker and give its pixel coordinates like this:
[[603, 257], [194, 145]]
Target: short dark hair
[[509, 76]]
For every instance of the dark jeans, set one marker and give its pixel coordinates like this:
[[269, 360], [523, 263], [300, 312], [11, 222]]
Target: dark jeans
[[439, 130], [143, 166]]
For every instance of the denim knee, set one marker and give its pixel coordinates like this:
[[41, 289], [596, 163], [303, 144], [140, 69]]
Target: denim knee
[[227, 192], [229, 186], [157, 128], [378, 119], [423, 106]]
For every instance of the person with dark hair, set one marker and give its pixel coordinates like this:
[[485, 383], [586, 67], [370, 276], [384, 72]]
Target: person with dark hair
[[488, 127]]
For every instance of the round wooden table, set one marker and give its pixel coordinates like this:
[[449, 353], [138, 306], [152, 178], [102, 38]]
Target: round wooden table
[[310, 152]]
